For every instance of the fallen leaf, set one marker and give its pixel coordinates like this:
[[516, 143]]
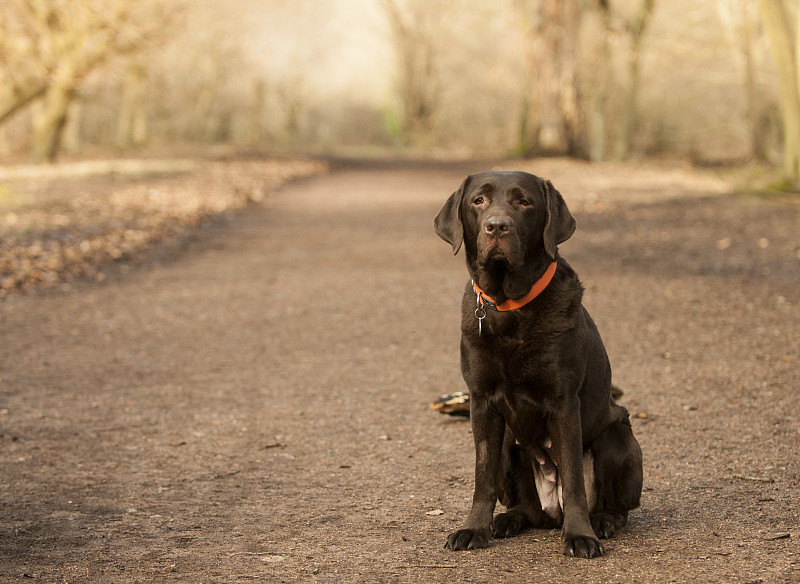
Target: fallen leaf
[[49, 241]]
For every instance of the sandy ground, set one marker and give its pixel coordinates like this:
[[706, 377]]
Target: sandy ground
[[253, 406]]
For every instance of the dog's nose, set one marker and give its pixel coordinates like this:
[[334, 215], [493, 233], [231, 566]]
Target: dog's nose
[[497, 226]]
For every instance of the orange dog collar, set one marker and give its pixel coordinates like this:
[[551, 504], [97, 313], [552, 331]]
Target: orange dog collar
[[485, 300], [537, 288]]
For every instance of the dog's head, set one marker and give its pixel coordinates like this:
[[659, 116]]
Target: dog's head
[[509, 222]]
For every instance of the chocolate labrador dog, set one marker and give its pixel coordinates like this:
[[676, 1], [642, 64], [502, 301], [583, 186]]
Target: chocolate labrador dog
[[550, 442]]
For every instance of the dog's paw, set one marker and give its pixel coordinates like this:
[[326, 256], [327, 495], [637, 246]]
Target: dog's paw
[[606, 524], [467, 539], [582, 546], [507, 524]]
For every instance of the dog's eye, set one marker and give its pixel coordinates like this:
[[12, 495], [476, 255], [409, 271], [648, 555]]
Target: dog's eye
[[478, 201], [524, 203]]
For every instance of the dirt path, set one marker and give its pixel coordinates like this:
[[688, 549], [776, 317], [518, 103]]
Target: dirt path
[[255, 409]]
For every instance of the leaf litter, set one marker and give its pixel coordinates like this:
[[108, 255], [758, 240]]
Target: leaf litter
[[54, 228]]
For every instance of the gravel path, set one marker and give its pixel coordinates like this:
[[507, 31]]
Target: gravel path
[[254, 407]]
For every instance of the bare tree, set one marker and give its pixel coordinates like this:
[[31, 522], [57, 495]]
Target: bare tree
[[598, 75], [781, 20], [50, 46], [612, 33], [635, 26], [22, 76], [738, 18], [132, 118], [553, 121], [416, 26], [762, 116]]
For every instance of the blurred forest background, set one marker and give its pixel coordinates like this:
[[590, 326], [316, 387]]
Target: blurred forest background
[[715, 81]]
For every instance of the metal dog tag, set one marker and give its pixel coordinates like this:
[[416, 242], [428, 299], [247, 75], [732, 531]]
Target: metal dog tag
[[480, 314]]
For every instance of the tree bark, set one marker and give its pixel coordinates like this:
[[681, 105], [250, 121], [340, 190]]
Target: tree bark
[[556, 120], [413, 34], [52, 46], [132, 120], [750, 89], [72, 141], [630, 112], [782, 27], [254, 133], [523, 15], [600, 86], [48, 124]]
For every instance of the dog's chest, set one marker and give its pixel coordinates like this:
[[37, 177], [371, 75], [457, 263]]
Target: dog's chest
[[523, 360], [518, 344], [525, 368], [507, 330]]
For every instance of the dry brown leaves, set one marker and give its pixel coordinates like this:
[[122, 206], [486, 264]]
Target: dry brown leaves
[[45, 241]]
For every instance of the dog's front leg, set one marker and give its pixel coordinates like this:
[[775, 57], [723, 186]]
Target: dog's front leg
[[488, 427], [565, 430]]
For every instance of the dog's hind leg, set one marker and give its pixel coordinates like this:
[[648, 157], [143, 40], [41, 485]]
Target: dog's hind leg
[[517, 490], [618, 472]]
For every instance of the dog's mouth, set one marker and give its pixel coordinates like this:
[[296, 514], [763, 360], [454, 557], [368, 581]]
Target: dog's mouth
[[498, 268], [493, 273], [498, 255], [498, 252]]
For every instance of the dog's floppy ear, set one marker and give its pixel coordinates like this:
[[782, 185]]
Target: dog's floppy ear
[[560, 224], [447, 223]]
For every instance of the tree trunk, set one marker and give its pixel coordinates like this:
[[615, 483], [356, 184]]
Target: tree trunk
[[254, 133], [414, 33], [72, 141], [523, 143], [600, 86], [782, 28], [556, 122], [750, 89], [523, 16], [48, 124], [630, 112], [132, 121]]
